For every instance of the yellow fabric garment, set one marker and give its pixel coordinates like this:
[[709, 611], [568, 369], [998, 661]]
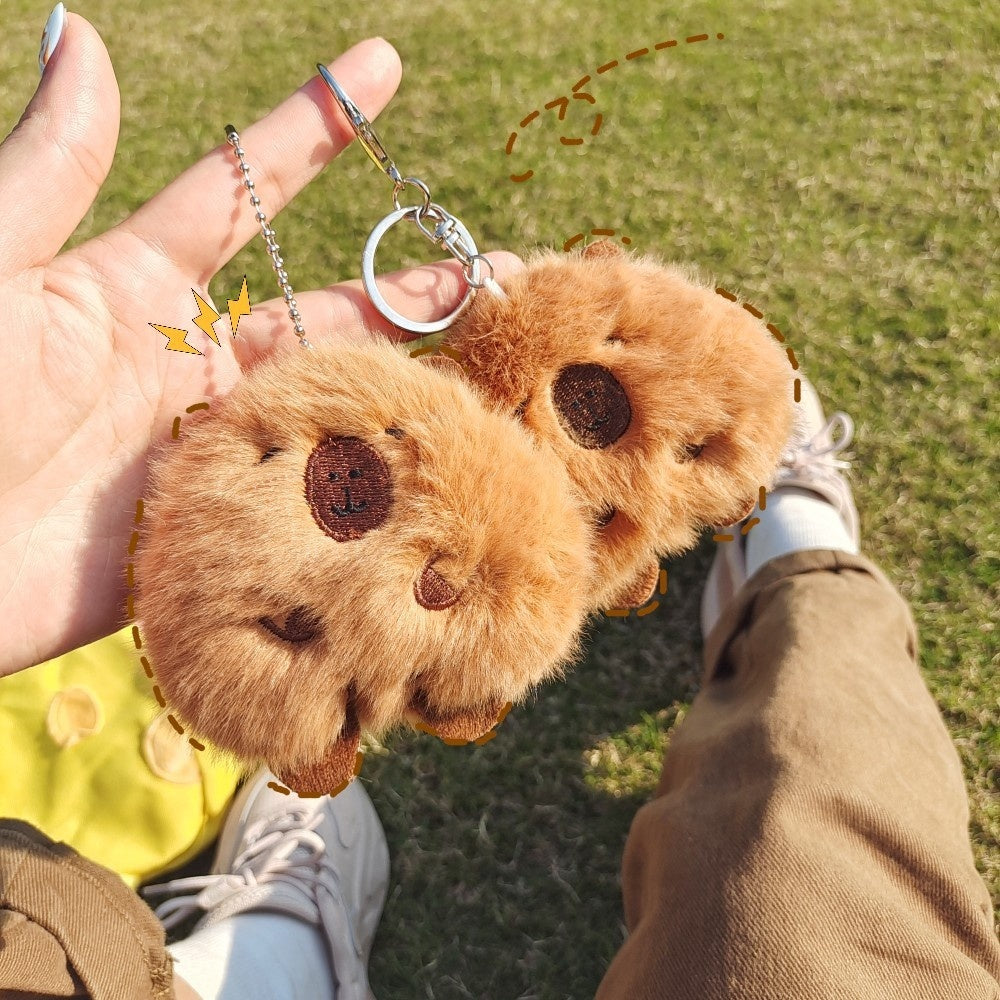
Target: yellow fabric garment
[[92, 760]]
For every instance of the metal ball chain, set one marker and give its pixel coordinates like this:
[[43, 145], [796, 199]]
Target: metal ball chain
[[268, 233]]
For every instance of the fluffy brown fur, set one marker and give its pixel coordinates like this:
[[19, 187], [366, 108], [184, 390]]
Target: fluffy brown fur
[[698, 400], [277, 639]]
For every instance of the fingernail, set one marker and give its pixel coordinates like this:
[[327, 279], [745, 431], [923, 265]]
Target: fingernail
[[51, 35]]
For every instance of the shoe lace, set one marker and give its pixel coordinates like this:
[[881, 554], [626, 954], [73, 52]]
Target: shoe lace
[[283, 849], [820, 454]]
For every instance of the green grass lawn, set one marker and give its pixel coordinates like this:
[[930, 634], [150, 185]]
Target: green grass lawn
[[834, 162]]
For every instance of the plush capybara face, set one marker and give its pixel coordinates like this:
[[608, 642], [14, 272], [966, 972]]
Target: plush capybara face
[[351, 538], [668, 404]]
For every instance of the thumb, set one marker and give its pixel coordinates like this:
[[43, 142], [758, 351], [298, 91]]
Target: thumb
[[54, 162]]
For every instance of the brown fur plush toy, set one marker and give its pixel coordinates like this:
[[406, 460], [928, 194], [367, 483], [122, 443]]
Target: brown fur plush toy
[[353, 538], [349, 539], [668, 404]]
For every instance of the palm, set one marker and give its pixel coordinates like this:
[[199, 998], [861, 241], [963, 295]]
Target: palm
[[89, 386], [93, 390], [93, 378]]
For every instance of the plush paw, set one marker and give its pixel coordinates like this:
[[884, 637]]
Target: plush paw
[[641, 588], [458, 728], [336, 769]]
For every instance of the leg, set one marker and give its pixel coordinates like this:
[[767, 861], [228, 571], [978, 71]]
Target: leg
[[809, 838], [69, 928], [291, 911], [809, 835], [293, 903], [182, 991]]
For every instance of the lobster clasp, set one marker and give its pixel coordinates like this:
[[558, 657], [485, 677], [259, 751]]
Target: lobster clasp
[[369, 139]]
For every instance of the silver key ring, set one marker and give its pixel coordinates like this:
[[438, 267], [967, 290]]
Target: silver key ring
[[474, 281], [438, 225]]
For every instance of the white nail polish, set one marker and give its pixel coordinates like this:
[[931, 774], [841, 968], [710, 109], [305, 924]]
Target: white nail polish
[[51, 35]]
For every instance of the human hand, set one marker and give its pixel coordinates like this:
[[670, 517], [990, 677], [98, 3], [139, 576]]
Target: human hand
[[87, 385]]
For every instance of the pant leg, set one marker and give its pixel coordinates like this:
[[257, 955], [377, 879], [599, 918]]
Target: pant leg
[[70, 928], [809, 836]]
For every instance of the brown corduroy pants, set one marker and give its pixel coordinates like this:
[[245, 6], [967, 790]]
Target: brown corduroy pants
[[809, 836], [808, 840], [70, 928]]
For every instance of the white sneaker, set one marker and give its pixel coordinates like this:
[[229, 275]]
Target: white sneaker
[[810, 463], [322, 860]]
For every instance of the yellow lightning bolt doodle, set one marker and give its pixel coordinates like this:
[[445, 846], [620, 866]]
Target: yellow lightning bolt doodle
[[239, 307], [176, 339], [206, 318]]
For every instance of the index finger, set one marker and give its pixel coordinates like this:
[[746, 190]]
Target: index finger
[[422, 293], [200, 220]]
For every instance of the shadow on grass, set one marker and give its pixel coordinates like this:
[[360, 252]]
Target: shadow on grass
[[505, 858]]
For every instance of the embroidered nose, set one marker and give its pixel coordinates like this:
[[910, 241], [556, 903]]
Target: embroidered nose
[[433, 591], [593, 407], [348, 488]]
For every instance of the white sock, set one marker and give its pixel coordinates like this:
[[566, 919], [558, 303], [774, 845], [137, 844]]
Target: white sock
[[256, 956], [793, 520]]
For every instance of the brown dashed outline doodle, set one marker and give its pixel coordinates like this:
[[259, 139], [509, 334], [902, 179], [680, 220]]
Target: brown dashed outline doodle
[[578, 94], [130, 615], [445, 349], [796, 396], [284, 790]]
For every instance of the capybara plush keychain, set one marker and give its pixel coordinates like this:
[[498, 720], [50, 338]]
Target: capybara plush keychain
[[669, 404], [350, 539], [354, 538]]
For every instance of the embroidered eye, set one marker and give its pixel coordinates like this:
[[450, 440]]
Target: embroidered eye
[[605, 517], [300, 625], [269, 454]]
